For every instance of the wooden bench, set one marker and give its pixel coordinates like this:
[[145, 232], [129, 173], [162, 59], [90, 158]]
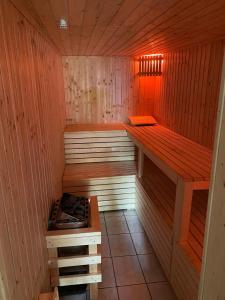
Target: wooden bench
[[97, 143], [178, 205], [171, 188], [100, 162]]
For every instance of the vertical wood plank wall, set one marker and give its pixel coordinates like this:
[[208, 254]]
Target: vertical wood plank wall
[[31, 152], [105, 89], [186, 95], [184, 98]]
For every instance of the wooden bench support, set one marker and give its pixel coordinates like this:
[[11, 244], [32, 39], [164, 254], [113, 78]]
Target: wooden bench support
[[50, 296], [54, 272], [93, 269], [183, 202], [140, 162]]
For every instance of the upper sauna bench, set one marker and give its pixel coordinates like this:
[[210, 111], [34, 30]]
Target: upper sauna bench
[[177, 156], [94, 127]]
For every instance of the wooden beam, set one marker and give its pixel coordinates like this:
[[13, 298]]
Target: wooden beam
[[53, 254], [93, 249], [81, 260], [182, 213], [80, 279], [50, 296], [140, 162]]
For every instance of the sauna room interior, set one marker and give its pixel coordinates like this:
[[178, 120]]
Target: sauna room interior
[[112, 150]]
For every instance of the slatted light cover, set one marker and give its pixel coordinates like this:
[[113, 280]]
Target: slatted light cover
[[150, 65]]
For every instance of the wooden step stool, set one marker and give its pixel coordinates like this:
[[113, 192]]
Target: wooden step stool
[[91, 237]]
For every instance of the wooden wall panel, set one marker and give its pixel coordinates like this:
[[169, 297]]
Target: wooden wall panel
[[186, 95], [105, 89], [31, 152]]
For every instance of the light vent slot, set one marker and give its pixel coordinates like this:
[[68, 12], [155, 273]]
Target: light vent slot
[[150, 65]]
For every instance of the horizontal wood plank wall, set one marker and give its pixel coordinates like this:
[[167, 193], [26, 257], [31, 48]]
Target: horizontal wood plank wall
[[99, 146], [31, 151], [186, 95], [105, 89]]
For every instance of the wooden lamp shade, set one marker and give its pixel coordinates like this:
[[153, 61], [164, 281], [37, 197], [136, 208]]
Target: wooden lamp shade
[[150, 65]]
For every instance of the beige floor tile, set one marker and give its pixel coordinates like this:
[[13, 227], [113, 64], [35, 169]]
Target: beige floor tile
[[151, 267], [141, 243], [116, 225], [105, 250], [130, 212], [107, 294], [116, 213], [134, 224], [127, 270], [134, 292], [161, 291], [108, 278], [121, 244]]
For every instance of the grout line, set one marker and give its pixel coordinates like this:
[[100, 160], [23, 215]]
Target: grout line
[[136, 254], [138, 258], [126, 285], [112, 260], [148, 287]]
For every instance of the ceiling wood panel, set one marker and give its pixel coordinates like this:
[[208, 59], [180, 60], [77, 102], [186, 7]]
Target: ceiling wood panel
[[130, 27], [76, 9], [59, 9], [164, 26], [138, 26], [178, 33], [109, 10], [124, 10]]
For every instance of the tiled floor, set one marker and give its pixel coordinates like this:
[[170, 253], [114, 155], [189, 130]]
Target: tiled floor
[[129, 266]]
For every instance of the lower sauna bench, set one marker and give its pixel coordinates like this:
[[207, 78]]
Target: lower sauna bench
[[100, 162], [113, 183], [155, 194]]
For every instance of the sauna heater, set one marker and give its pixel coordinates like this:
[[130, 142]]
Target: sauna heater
[[70, 212]]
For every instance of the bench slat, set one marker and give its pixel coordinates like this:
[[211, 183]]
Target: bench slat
[[187, 159]]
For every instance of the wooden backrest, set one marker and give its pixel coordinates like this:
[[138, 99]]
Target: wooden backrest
[[97, 146]]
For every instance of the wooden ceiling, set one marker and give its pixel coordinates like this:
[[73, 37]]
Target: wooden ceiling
[[130, 27]]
